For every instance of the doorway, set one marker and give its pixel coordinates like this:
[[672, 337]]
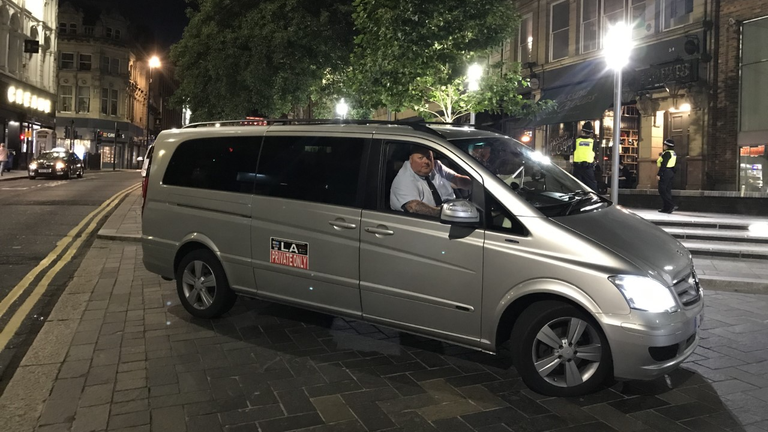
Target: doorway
[[677, 126]]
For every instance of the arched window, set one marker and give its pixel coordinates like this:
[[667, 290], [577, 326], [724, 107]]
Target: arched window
[[14, 44], [33, 60], [4, 35]]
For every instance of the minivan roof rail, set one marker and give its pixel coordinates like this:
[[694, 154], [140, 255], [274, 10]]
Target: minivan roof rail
[[417, 125]]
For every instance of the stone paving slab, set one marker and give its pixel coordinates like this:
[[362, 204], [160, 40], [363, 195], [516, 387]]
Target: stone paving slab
[[137, 361], [125, 223]]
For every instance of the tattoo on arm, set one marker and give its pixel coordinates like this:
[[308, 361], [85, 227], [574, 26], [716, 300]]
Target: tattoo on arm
[[419, 207]]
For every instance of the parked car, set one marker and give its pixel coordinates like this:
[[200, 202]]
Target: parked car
[[527, 257], [56, 163]]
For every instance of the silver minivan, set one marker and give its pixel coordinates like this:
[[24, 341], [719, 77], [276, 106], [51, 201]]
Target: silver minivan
[[517, 255]]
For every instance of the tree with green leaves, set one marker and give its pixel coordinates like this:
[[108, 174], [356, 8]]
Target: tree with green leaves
[[415, 55], [244, 57]]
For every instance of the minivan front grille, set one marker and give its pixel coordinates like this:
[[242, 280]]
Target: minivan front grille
[[688, 290]]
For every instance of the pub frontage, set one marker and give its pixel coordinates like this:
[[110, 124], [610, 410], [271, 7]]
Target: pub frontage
[[24, 110]]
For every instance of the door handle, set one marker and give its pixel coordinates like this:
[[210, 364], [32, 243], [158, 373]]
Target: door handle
[[340, 224], [379, 231]]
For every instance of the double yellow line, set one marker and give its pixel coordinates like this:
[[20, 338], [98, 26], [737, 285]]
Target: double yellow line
[[71, 240]]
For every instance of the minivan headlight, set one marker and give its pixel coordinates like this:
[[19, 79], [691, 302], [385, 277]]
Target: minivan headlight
[[645, 294]]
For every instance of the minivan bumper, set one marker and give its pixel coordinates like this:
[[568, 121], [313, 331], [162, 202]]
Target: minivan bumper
[[646, 346]]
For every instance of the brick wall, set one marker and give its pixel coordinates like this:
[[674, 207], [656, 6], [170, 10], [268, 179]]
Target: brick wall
[[722, 159]]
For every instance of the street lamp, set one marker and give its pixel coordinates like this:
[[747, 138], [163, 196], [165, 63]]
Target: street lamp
[[154, 62], [342, 109], [617, 49], [474, 73]]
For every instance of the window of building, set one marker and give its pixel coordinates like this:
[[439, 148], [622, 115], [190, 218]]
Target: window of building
[[104, 63], [65, 98], [589, 32], [525, 40], [67, 60], [113, 103], [222, 164], [83, 99], [117, 34], [73, 28], [754, 76], [114, 66], [105, 101], [85, 62], [643, 18], [559, 35], [677, 13], [62, 28], [613, 12], [109, 32], [317, 169], [89, 30]]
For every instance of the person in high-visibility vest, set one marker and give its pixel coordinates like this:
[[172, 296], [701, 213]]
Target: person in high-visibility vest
[[584, 149], [667, 164]]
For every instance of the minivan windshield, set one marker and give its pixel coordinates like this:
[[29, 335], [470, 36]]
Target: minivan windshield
[[532, 175]]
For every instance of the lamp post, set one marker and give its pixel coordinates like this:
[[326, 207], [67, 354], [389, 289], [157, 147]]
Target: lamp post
[[342, 109], [474, 73], [617, 49], [154, 62]]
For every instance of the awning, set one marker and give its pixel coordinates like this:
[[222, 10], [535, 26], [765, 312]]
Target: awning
[[583, 101]]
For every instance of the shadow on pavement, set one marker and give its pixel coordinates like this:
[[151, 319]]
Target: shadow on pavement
[[389, 378]]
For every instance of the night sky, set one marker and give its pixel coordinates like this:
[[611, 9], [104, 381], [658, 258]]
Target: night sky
[[166, 18]]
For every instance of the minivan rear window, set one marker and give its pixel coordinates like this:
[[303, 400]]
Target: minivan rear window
[[222, 164], [309, 168]]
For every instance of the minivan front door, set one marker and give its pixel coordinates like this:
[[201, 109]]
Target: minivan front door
[[419, 274], [306, 221]]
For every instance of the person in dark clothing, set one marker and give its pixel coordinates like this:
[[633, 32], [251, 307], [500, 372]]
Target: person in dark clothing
[[625, 176], [667, 167], [584, 149]]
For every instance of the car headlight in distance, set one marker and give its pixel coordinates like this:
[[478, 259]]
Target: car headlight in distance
[[33, 166], [645, 294], [60, 165]]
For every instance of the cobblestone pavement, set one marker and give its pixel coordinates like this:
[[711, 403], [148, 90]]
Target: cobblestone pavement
[[120, 353]]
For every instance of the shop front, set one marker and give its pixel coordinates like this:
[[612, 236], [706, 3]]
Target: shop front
[[24, 110]]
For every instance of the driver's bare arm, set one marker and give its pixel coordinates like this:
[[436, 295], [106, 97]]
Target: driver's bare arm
[[419, 207]]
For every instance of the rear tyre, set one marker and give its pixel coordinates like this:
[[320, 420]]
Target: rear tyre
[[560, 350], [202, 285]]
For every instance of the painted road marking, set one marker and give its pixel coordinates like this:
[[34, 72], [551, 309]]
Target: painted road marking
[[14, 294]]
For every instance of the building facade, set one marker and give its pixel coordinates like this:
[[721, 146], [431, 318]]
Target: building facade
[[738, 134], [666, 91], [28, 43], [103, 88]]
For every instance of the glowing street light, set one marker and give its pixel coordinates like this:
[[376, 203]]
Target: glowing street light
[[154, 63], [617, 49], [474, 73], [342, 108]]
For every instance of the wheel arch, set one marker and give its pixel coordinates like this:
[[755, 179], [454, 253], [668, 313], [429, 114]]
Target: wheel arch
[[191, 243]]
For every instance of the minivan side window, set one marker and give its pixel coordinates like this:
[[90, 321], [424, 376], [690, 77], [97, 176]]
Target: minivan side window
[[222, 164], [309, 168], [500, 220]]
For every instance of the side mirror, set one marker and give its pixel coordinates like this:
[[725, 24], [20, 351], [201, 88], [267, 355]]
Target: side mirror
[[459, 212], [140, 158]]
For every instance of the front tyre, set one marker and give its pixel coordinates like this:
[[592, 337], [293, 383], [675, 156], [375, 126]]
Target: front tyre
[[202, 285], [561, 351]]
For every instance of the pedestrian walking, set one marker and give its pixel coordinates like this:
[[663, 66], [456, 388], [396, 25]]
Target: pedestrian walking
[[584, 157], [667, 167], [3, 158]]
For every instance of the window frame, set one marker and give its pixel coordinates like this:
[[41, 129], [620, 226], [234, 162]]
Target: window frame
[[62, 61], [63, 27], [88, 98], [520, 43], [663, 16], [72, 28], [70, 96], [582, 23], [102, 59], [604, 20], [104, 101], [80, 62], [114, 102], [365, 157], [108, 32], [552, 33], [114, 65]]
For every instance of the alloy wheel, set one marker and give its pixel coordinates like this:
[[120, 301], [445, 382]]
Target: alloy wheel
[[199, 284], [567, 352]]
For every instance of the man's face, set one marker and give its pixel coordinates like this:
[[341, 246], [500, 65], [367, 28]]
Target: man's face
[[422, 163], [481, 153]]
